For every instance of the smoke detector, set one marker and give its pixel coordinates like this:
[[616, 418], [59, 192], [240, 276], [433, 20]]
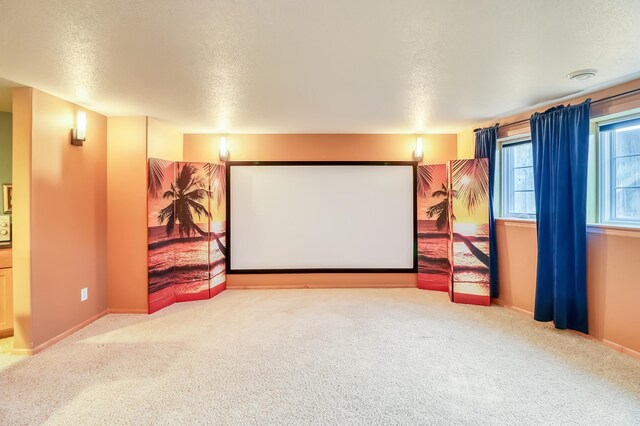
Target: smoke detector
[[582, 74]]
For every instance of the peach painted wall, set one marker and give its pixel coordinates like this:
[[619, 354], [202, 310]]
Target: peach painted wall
[[21, 218], [612, 283], [320, 147], [127, 214], [164, 141], [67, 220], [614, 287], [517, 262], [466, 143], [131, 141]]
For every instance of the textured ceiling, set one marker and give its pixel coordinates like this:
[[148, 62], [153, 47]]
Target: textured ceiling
[[316, 66]]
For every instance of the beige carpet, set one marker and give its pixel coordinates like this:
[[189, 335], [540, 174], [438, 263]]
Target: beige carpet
[[398, 356]]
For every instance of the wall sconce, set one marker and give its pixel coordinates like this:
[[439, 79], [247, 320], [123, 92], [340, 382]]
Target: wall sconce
[[79, 133], [223, 150], [418, 153]]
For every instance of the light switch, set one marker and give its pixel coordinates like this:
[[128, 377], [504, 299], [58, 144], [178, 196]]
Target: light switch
[[5, 227]]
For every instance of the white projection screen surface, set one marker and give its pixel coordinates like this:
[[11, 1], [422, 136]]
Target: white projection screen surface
[[321, 217]]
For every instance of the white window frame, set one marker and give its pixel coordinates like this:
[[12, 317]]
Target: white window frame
[[504, 179], [606, 197]]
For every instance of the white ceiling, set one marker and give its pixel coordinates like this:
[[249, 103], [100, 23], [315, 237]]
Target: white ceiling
[[308, 66]]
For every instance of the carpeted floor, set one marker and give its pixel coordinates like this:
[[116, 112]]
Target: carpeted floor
[[396, 356]]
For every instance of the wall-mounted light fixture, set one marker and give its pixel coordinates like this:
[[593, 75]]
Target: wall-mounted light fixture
[[79, 133], [223, 150], [418, 153]]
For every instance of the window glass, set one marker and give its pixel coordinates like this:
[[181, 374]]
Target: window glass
[[620, 172], [518, 196]]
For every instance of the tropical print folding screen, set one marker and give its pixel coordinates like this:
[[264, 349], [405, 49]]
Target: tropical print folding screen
[[453, 230], [187, 230], [186, 221]]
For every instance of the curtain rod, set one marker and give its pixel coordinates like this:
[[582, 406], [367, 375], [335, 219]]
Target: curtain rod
[[597, 101]]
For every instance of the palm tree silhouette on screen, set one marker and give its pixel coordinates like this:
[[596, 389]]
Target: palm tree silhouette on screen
[[441, 210], [186, 194], [471, 179], [217, 175], [155, 176], [425, 180]]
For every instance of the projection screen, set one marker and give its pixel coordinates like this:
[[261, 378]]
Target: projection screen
[[297, 217]]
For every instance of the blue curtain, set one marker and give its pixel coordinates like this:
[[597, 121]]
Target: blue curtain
[[560, 139], [486, 145]]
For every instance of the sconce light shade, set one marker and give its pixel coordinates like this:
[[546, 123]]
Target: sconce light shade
[[223, 152], [418, 153], [79, 133]]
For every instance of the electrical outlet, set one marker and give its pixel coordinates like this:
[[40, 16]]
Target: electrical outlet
[[84, 294]]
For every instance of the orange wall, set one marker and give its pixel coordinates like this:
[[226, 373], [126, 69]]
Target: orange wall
[[612, 283], [517, 261], [127, 214], [320, 147], [613, 287], [131, 141], [76, 211], [21, 218], [66, 219], [164, 141], [613, 267], [466, 143]]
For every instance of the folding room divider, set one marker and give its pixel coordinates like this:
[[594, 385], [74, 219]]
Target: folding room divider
[[187, 230], [453, 230], [186, 220]]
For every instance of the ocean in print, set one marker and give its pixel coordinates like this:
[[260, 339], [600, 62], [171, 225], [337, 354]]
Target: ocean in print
[[433, 262], [470, 274], [191, 262]]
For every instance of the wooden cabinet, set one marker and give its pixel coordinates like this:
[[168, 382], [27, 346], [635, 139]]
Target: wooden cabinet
[[6, 294]]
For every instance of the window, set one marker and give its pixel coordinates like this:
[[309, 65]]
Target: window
[[518, 195], [619, 172]]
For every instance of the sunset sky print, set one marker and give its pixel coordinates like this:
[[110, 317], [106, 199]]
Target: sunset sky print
[[439, 175], [481, 213], [154, 205]]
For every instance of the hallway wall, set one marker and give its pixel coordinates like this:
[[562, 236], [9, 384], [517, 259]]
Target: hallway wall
[[60, 232]]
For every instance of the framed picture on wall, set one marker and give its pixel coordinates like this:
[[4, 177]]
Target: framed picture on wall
[[6, 197]]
